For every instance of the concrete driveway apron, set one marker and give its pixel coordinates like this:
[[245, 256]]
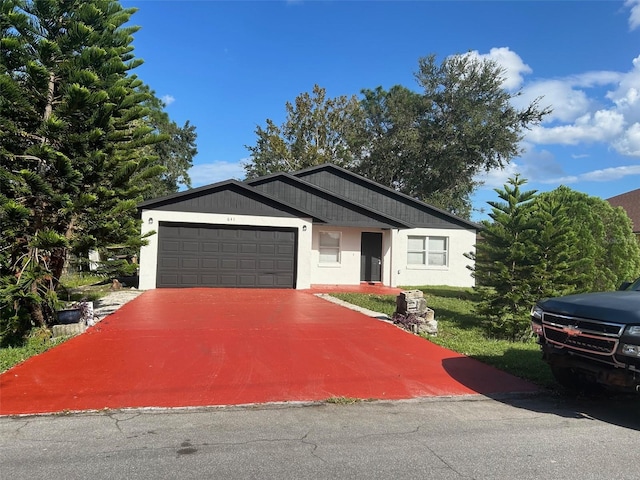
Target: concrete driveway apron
[[204, 347]]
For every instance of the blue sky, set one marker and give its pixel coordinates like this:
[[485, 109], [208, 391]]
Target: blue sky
[[228, 66]]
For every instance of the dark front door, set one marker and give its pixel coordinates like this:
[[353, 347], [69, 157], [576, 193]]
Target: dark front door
[[371, 257]]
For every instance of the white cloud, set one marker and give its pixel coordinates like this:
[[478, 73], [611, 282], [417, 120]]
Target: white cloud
[[561, 180], [634, 15], [603, 175], [207, 173], [603, 125], [167, 100], [584, 112], [567, 103], [610, 174], [629, 143], [626, 95], [514, 67]]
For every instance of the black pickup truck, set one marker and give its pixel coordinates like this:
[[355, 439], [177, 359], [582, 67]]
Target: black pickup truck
[[592, 339]]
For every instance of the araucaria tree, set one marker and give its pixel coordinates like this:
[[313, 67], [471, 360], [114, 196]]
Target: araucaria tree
[[429, 144], [504, 265], [555, 243], [75, 154]]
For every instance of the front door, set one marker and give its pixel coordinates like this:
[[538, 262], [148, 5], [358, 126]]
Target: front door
[[371, 257]]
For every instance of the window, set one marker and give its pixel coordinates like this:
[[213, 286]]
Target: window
[[427, 251], [329, 247]]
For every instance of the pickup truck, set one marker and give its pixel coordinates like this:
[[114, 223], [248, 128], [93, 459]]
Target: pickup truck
[[592, 339]]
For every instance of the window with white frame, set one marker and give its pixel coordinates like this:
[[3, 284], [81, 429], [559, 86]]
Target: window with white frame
[[329, 247], [427, 251]]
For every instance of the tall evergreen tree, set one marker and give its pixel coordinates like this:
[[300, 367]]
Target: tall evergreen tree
[[505, 262], [72, 143], [556, 257], [547, 245]]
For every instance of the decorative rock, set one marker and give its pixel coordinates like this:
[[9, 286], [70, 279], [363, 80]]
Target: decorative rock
[[412, 313]]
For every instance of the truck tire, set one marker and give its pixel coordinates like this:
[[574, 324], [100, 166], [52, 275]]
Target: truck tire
[[572, 381]]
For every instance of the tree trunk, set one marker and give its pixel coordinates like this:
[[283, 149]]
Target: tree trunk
[[48, 109], [57, 264], [35, 309]]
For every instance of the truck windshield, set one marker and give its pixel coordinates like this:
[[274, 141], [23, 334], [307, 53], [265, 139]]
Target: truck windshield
[[634, 286]]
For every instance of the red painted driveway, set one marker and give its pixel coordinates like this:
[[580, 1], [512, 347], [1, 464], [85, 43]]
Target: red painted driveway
[[198, 347]]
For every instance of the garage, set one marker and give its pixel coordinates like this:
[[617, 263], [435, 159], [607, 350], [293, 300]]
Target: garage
[[203, 255]]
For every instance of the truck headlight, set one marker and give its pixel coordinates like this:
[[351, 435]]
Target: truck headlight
[[536, 320], [536, 313], [633, 330]]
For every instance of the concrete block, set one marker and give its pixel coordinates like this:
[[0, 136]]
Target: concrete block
[[68, 330]]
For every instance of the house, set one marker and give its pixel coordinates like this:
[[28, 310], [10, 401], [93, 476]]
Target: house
[[321, 225], [630, 202]]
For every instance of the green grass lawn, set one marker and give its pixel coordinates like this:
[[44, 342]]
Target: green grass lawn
[[38, 341], [73, 288], [460, 330]]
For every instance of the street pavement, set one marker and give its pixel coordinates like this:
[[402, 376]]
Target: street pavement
[[462, 437]]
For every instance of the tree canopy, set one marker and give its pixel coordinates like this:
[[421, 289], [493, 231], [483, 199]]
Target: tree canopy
[[316, 130], [175, 151], [606, 249], [429, 144], [80, 140]]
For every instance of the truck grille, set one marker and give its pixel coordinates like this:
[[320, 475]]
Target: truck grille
[[581, 334]]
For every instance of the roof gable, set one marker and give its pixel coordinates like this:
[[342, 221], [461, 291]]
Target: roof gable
[[335, 209], [231, 197], [381, 198]]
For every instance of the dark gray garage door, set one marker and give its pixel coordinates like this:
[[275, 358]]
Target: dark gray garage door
[[218, 256]]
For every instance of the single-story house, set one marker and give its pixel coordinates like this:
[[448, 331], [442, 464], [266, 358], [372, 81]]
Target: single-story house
[[630, 202], [318, 226]]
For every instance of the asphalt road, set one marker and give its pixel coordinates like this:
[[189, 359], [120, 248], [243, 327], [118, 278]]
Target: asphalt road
[[439, 438]]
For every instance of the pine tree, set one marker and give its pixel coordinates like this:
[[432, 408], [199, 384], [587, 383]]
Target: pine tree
[[72, 144], [505, 262], [557, 259]]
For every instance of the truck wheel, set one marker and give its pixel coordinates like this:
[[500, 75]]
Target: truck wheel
[[572, 381]]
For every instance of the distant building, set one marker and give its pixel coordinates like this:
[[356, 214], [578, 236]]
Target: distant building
[[630, 201]]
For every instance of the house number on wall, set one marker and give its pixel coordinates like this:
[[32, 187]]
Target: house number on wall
[[231, 219]]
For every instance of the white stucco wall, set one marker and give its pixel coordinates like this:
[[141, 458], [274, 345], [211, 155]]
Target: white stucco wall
[[395, 270], [151, 219], [347, 271], [455, 273]]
